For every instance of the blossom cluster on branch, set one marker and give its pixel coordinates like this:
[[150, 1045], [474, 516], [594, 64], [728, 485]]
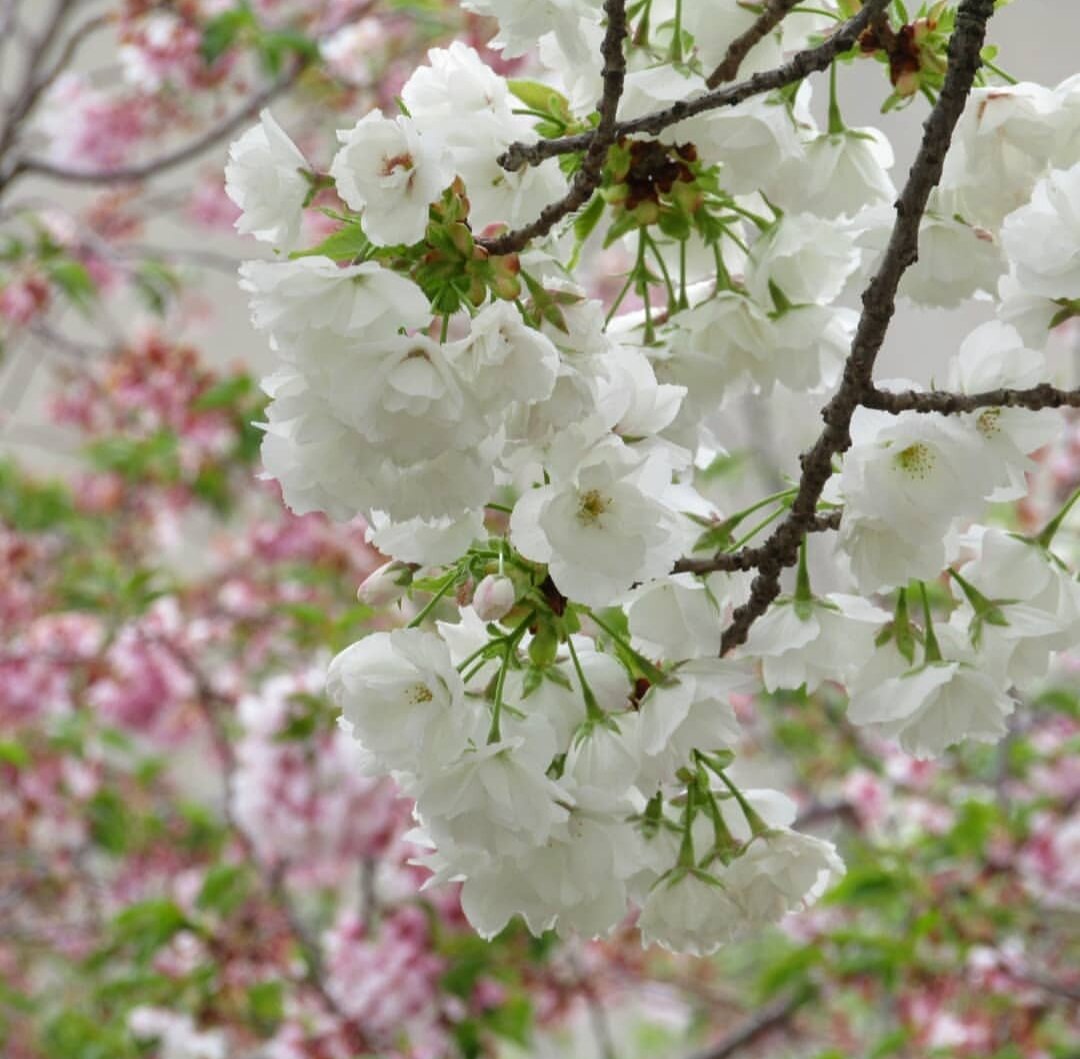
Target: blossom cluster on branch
[[516, 443]]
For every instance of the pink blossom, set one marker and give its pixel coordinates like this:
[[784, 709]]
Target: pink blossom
[[23, 299]]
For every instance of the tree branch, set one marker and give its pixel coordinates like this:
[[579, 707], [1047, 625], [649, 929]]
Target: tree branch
[[143, 170], [587, 178], [749, 558], [772, 14], [1037, 397], [879, 304], [772, 1016], [795, 69]]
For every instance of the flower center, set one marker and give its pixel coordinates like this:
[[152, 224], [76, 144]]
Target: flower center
[[397, 161], [418, 694], [988, 422], [591, 506], [916, 461]]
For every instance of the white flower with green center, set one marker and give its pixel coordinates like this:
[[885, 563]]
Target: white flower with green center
[[403, 700], [601, 529]]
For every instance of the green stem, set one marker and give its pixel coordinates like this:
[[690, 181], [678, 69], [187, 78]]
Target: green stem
[[592, 707], [642, 271], [757, 825], [664, 272], [1007, 78], [441, 591], [686, 847], [802, 578], [684, 302], [930, 645], [1046, 536], [751, 534], [836, 122], [512, 639], [620, 298], [654, 673], [445, 329], [676, 40]]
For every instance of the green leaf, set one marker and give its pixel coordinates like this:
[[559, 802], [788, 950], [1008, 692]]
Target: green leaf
[[541, 97], [275, 47], [110, 822], [74, 280], [224, 889], [346, 244], [224, 394], [266, 1004], [148, 925], [12, 753], [222, 31], [513, 1020]]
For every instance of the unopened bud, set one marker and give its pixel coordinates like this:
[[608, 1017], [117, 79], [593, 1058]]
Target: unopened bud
[[385, 585], [494, 597]]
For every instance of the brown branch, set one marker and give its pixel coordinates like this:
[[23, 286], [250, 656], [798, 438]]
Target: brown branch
[[210, 702], [1037, 397], [781, 549], [771, 1017], [27, 91], [587, 178], [170, 159], [795, 69], [772, 14], [749, 558]]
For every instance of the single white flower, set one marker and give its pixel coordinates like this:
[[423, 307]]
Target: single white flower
[[993, 356], [690, 911], [842, 173], [392, 173], [679, 616], [692, 711], [496, 797], [266, 176], [780, 871], [934, 706], [1042, 238], [503, 359], [808, 258], [402, 699], [601, 529], [363, 301], [522, 25], [811, 641], [957, 259]]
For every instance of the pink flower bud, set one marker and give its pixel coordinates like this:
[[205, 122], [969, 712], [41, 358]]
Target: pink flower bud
[[385, 585], [494, 597]]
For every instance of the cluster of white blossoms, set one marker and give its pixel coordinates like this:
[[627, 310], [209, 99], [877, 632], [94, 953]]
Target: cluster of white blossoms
[[519, 445]]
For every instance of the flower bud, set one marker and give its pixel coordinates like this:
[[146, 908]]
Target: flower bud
[[494, 597], [385, 585]]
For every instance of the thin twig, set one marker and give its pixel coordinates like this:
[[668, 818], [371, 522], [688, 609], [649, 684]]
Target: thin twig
[[781, 549], [1035, 398], [749, 558], [773, 12], [587, 178], [771, 1017], [795, 69], [143, 170]]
